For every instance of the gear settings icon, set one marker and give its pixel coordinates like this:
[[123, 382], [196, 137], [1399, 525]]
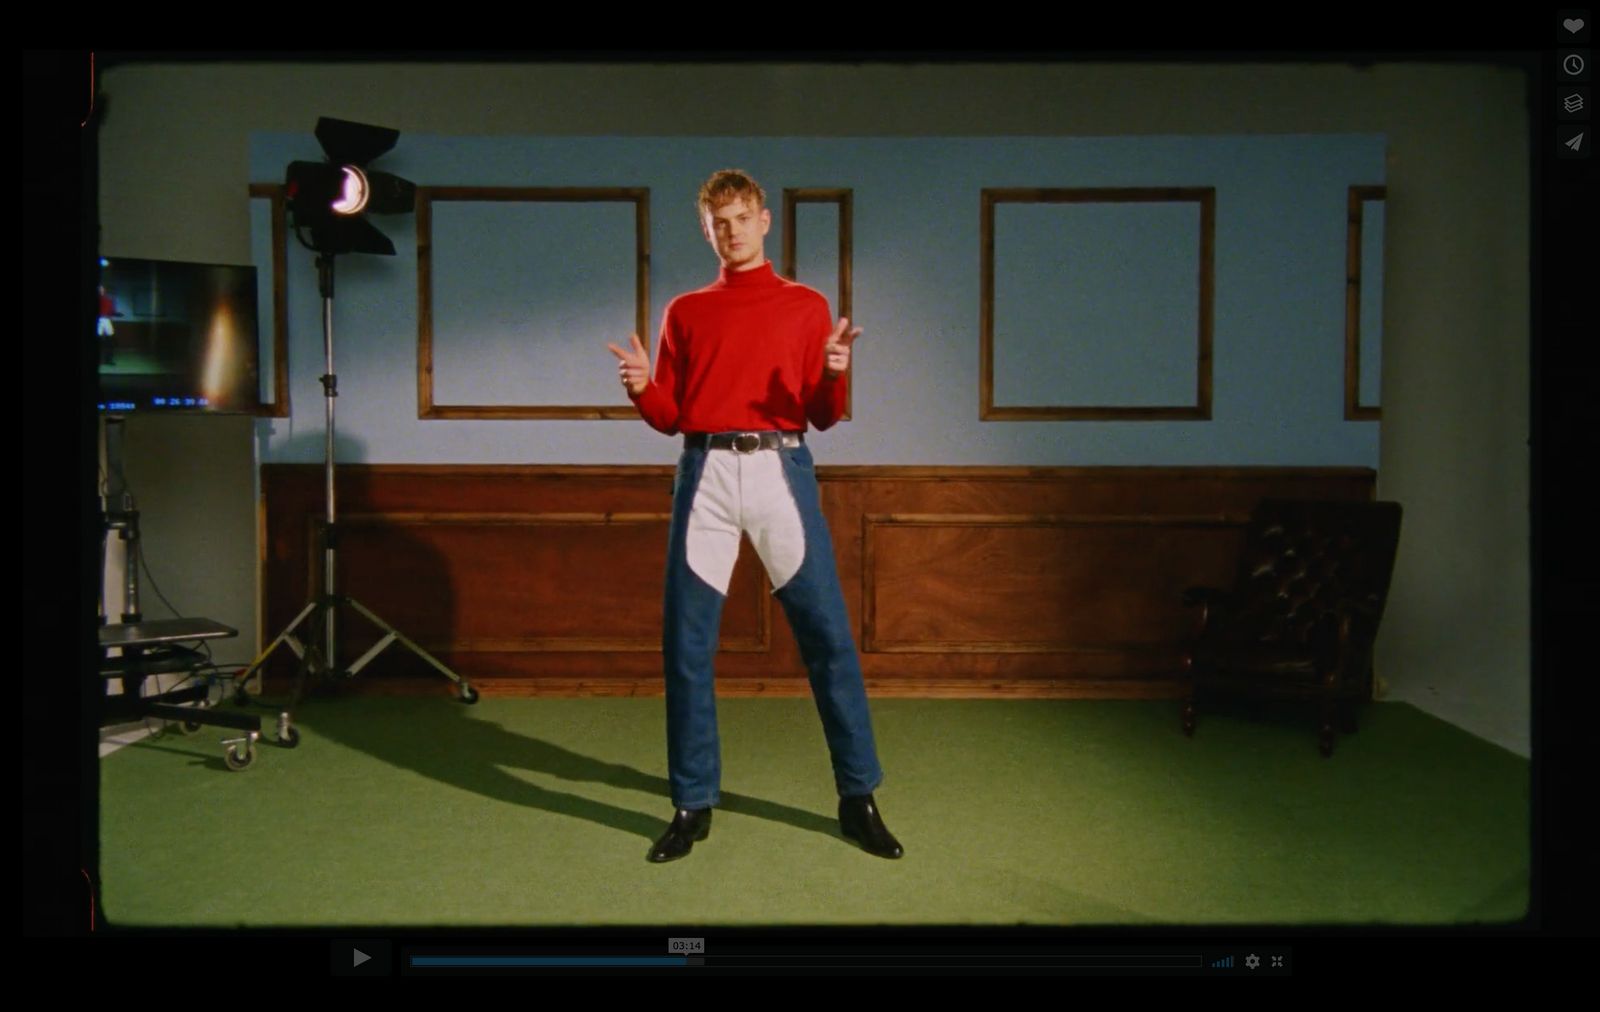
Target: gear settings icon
[[1252, 961]]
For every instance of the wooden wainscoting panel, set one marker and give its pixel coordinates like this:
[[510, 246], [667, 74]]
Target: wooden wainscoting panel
[[1007, 582], [511, 583], [1036, 583]]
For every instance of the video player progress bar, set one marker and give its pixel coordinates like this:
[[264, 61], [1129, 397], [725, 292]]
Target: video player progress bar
[[1098, 961], [482, 962]]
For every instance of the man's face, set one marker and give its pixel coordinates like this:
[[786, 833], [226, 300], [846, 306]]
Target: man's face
[[736, 230]]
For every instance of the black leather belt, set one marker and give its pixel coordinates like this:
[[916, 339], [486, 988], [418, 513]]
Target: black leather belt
[[743, 442]]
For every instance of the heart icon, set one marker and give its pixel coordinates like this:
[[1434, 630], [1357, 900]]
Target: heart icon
[[1573, 25]]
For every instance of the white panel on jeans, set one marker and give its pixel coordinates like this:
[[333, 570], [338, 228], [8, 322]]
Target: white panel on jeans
[[771, 517], [713, 538], [744, 492]]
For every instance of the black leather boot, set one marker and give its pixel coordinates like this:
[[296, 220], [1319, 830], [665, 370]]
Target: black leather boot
[[860, 821], [689, 827]]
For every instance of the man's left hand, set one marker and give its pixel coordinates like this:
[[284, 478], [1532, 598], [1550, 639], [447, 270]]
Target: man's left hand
[[837, 350]]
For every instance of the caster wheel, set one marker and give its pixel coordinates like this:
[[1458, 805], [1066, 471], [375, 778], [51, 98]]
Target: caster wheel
[[237, 760], [468, 694], [289, 738]]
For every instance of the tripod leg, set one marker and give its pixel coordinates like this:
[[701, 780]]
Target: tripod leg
[[310, 660], [244, 676], [467, 693]]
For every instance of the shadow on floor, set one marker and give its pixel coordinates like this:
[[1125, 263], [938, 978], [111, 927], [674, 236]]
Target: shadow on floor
[[444, 741]]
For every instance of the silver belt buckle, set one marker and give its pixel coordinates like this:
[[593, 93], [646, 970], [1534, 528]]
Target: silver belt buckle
[[747, 442]]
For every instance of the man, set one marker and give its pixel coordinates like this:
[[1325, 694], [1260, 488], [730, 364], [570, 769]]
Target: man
[[744, 363]]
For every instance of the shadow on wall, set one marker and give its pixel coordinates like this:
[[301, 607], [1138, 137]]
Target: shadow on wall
[[385, 561]]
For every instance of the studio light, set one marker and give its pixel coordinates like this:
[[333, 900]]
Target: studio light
[[327, 203], [328, 200]]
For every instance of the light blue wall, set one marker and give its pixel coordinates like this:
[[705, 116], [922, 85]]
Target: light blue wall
[[527, 296], [1096, 304], [517, 326], [817, 257], [1371, 332]]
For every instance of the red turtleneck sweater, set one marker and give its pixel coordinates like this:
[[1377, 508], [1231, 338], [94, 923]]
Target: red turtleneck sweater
[[743, 353]]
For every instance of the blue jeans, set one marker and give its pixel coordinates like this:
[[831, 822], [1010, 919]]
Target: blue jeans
[[814, 604]]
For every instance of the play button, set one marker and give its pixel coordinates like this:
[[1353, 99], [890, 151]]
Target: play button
[[362, 957]]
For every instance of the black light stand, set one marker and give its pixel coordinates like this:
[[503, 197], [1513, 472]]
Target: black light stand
[[331, 234]]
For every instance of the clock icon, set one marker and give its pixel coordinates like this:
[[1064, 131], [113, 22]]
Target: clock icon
[[1572, 63]]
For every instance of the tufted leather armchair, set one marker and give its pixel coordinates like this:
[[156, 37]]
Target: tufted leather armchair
[[1302, 615]]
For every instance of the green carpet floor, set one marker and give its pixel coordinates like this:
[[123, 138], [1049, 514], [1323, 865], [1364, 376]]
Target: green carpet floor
[[425, 812]]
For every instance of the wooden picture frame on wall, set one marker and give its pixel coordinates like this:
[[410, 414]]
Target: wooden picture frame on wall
[[427, 197], [844, 200], [273, 192], [1205, 198], [1359, 197]]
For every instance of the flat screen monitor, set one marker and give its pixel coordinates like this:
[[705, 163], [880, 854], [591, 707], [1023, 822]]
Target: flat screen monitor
[[177, 337]]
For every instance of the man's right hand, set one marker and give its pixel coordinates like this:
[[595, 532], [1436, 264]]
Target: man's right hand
[[633, 366]]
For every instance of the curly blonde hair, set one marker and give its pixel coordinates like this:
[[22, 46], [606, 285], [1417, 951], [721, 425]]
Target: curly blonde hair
[[730, 184]]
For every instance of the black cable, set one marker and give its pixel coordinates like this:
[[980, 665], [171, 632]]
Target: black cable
[[138, 549], [210, 666], [215, 674], [210, 670], [161, 730]]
